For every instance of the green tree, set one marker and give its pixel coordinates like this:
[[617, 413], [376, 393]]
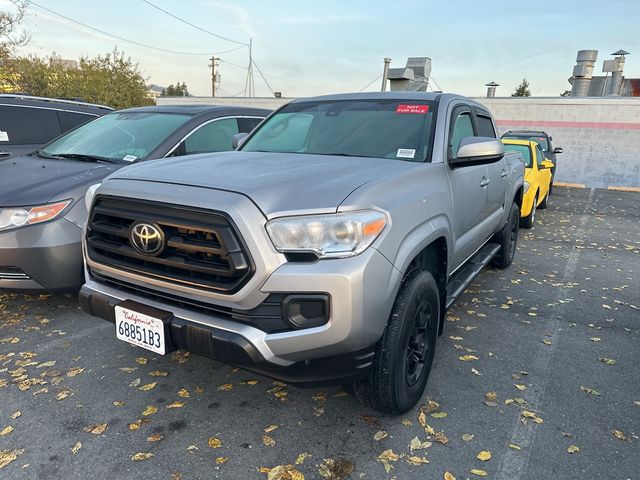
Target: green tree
[[522, 90], [111, 79], [10, 37], [177, 90]]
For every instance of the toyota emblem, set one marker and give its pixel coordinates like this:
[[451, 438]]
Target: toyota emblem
[[147, 238]]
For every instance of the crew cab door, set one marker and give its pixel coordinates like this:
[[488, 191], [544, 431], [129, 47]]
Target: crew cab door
[[468, 190], [496, 174]]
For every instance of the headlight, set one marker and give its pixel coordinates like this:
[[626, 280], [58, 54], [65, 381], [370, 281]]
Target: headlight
[[328, 236], [22, 216], [526, 187], [88, 197]]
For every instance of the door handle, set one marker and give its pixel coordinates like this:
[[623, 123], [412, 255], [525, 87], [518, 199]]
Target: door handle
[[485, 181], [503, 174], [4, 153]]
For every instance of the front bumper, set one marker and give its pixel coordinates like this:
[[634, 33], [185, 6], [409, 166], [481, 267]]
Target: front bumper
[[46, 257], [361, 295]]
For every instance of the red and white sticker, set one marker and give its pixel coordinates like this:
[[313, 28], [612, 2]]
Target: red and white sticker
[[421, 109]]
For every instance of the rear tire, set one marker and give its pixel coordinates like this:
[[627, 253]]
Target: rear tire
[[508, 239], [528, 221], [404, 354]]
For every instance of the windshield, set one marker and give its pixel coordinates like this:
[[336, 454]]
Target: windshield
[[539, 139], [523, 149], [394, 129], [124, 136]]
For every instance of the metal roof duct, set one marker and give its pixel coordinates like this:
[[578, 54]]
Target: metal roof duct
[[583, 72], [414, 77]]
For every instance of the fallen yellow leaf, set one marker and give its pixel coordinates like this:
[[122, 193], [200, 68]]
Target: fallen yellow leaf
[[301, 458], [141, 456], [17, 414], [175, 405], [480, 473], [141, 361], [380, 435], [75, 371], [414, 460], [155, 437], [448, 476], [268, 441], [6, 431], [76, 447], [96, 429], [150, 410], [519, 387], [270, 428], [225, 387], [148, 386], [214, 442], [573, 449], [159, 373], [514, 446], [8, 456], [619, 435], [467, 358], [484, 455], [118, 403], [184, 393], [221, 460]]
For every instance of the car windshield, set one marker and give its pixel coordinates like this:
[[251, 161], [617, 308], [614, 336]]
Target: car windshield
[[523, 149], [539, 139], [119, 136], [380, 128]]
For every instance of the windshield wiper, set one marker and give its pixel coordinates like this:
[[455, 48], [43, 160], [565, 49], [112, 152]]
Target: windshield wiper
[[83, 157], [41, 154]]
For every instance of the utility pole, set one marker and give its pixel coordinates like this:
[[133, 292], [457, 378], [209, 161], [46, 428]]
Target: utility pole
[[385, 74], [248, 85], [214, 75]]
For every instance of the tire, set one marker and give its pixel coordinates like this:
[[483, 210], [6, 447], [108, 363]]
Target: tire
[[404, 354], [545, 202], [508, 239], [528, 221], [551, 187]]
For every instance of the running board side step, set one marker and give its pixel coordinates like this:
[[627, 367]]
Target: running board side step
[[459, 282]]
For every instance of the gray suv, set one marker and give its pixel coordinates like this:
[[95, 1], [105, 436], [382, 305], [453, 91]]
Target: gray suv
[[326, 249], [28, 122]]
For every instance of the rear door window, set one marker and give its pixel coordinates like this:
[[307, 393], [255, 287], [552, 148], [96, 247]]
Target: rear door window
[[27, 126], [215, 136], [485, 127], [69, 120]]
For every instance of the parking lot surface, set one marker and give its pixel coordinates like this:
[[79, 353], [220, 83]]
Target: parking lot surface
[[536, 373]]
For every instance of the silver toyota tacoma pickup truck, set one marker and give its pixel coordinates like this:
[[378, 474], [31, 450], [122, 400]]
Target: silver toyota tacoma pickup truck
[[326, 249]]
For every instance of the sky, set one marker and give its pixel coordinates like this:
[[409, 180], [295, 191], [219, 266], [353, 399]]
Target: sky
[[310, 47]]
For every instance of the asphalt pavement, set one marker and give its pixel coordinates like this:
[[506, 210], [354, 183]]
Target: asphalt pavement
[[535, 377]]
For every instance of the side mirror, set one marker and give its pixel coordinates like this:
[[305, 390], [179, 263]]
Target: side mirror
[[546, 164], [478, 150], [557, 150], [238, 139]]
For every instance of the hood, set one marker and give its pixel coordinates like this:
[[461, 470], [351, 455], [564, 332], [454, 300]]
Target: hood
[[275, 182], [32, 180]]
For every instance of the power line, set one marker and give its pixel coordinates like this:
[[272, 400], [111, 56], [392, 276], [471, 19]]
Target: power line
[[122, 38], [522, 58], [265, 80], [192, 25], [371, 82], [436, 83]]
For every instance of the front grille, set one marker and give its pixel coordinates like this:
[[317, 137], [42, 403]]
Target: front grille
[[201, 250], [13, 273], [267, 316]]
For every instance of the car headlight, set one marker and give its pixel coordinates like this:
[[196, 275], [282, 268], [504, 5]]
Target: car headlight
[[526, 187], [88, 197], [327, 236], [14, 217]]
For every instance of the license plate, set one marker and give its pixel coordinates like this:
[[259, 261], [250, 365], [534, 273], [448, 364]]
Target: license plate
[[140, 329]]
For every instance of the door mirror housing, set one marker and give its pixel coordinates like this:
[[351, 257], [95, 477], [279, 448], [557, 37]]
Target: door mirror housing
[[546, 164], [238, 139], [557, 150], [477, 151]]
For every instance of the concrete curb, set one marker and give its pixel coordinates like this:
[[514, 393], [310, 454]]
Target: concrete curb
[[624, 189], [571, 185]]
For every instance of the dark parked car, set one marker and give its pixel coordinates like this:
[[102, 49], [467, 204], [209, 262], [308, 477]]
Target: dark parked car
[[544, 140], [42, 207], [27, 122]]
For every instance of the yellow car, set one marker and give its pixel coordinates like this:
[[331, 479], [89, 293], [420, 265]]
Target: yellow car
[[537, 178]]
